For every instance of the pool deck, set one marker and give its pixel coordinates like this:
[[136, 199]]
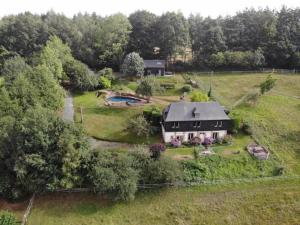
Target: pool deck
[[141, 100]]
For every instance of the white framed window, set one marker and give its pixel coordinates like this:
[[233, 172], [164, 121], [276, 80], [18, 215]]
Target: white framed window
[[175, 125], [220, 123], [190, 136], [215, 135]]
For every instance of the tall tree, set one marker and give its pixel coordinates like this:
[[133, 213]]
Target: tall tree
[[143, 35]]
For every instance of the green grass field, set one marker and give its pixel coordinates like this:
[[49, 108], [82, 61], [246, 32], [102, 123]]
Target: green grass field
[[105, 123], [268, 202]]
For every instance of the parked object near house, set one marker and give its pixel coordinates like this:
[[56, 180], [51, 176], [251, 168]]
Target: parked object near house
[[154, 67], [258, 151], [187, 120]]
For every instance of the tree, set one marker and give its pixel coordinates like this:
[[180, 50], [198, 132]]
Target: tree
[[143, 35], [148, 86], [12, 68], [24, 33], [39, 151], [267, 85], [112, 173], [139, 126], [133, 65], [156, 150], [173, 34], [81, 77], [113, 40], [198, 96], [55, 55]]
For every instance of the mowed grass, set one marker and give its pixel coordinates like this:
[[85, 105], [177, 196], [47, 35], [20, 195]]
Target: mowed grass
[[264, 202], [108, 123]]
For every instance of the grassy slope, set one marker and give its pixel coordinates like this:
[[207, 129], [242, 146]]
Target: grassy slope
[[271, 202], [275, 119]]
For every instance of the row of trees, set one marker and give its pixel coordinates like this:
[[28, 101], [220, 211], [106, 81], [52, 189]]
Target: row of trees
[[271, 36]]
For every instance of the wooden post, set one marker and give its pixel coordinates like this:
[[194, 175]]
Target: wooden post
[[81, 114]]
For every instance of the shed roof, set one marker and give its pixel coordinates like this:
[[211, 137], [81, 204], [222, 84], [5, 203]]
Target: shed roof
[[154, 63], [192, 111]]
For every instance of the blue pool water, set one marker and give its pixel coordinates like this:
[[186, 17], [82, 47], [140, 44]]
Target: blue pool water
[[123, 99]]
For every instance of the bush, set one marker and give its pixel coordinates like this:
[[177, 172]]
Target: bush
[[246, 128], [7, 218], [186, 88], [207, 141], [139, 126], [156, 149], [108, 73], [195, 141], [198, 96], [175, 142], [193, 171], [236, 123], [104, 82], [227, 139], [153, 115], [267, 85]]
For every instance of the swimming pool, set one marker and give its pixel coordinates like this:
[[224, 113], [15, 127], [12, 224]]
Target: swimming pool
[[123, 99]]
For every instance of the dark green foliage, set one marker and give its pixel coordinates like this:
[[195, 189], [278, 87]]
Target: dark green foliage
[[112, 173], [108, 73], [153, 115], [39, 152], [81, 77], [147, 86], [186, 88], [139, 126], [267, 85], [193, 171], [24, 33], [198, 96], [156, 150], [7, 218], [133, 65]]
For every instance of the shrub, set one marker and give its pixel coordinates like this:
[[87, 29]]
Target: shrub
[[147, 86], [175, 142], [7, 218], [198, 96], [164, 171], [279, 170], [246, 128], [196, 153], [186, 88], [236, 123], [108, 73], [139, 126], [227, 139], [207, 141], [104, 82], [193, 171], [195, 141], [267, 85], [156, 149], [152, 115]]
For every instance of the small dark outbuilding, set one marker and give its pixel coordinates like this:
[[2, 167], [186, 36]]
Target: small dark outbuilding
[[154, 67]]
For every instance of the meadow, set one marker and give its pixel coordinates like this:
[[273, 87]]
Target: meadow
[[273, 202]]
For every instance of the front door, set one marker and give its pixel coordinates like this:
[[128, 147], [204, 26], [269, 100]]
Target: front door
[[191, 136]]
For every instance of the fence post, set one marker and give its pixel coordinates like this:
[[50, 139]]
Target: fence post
[[81, 114], [25, 217]]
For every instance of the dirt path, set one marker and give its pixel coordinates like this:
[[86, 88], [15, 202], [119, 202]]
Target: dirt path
[[68, 113]]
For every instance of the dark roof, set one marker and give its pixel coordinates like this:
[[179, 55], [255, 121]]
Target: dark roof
[[154, 63], [191, 111]]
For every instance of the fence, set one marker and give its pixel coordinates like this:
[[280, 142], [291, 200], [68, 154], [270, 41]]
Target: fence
[[263, 70], [28, 210]]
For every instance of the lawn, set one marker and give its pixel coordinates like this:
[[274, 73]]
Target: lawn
[[107, 123], [273, 202]]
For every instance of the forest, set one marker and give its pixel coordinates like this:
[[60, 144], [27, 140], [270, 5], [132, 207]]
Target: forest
[[250, 39]]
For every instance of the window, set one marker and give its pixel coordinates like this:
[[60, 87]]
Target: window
[[196, 124], [191, 136], [218, 124], [215, 135], [175, 125]]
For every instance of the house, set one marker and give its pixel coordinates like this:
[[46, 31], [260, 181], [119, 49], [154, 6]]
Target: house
[[186, 120], [154, 67]]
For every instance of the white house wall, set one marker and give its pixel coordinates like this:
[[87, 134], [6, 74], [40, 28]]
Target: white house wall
[[185, 135]]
